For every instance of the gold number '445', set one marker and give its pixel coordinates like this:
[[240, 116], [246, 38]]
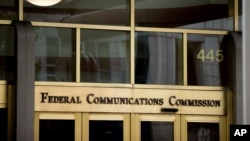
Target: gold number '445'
[[212, 55]]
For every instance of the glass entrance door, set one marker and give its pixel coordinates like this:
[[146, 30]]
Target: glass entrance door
[[129, 127], [171, 127]]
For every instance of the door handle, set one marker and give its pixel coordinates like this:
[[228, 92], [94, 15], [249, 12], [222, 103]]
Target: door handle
[[174, 110]]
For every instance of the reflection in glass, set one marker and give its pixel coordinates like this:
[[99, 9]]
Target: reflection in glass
[[57, 130], [157, 131], [8, 10], [54, 52], [105, 131], [105, 12], [3, 124], [203, 131], [240, 15], [105, 56], [195, 14], [205, 55], [158, 58], [7, 44]]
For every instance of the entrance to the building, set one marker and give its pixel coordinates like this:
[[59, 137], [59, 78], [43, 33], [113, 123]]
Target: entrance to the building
[[128, 127], [172, 127]]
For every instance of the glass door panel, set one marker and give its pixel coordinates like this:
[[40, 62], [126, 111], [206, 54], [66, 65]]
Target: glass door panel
[[155, 127], [108, 127], [57, 126], [203, 128], [51, 130], [203, 131], [157, 131], [105, 130]]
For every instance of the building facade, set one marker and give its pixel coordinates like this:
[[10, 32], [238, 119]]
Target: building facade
[[128, 70]]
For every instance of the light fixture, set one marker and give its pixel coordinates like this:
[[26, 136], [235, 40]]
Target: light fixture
[[44, 2]]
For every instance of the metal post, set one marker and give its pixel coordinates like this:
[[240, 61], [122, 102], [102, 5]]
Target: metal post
[[246, 58], [25, 38]]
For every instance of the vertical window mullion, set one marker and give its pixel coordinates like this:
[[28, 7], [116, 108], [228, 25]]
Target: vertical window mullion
[[185, 69], [20, 10], [78, 57], [236, 15], [132, 41]]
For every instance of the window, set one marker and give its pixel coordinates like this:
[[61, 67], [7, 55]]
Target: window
[[105, 56], [8, 10], [144, 42], [55, 54], [158, 58], [7, 72], [206, 60]]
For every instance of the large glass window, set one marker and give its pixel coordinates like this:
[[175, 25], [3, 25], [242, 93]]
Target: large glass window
[[105, 51], [55, 54], [8, 10], [206, 57], [105, 12], [7, 53], [195, 14], [158, 58], [105, 56]]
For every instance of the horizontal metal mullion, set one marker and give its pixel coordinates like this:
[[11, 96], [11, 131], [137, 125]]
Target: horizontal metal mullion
[[87, 26], [5, 22], [177, 30]]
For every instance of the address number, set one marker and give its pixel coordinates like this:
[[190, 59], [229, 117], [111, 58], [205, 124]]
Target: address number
[[212, 55]]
